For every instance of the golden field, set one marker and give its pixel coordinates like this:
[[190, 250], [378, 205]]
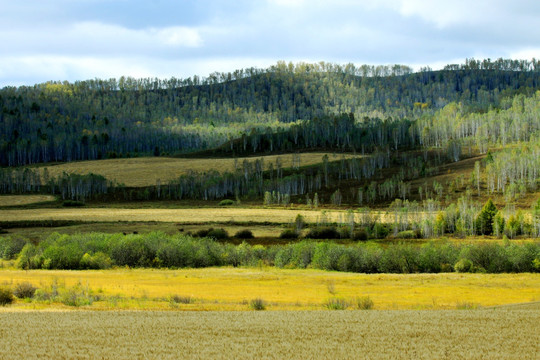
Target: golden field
[[478, 334], [281, 289], [145, 171], [16, 200], [187, 215]]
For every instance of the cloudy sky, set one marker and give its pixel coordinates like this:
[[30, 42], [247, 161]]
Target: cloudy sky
[[84, 39]]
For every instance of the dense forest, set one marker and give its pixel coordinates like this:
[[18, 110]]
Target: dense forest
[[398, 127], [261, 108]]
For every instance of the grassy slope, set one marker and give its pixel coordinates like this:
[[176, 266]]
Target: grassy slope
[[21, 200], [139, 172], [145, 171]]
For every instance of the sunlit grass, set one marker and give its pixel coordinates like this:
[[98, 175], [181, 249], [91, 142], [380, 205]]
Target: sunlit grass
[[145, 171], [17, 200], [196, 215], [233, 288]]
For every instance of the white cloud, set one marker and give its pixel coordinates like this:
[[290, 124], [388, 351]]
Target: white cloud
[[177, 36], [92, 38], [527, 53], [476, 13], [110, 38], [98, 33], [27, 70]]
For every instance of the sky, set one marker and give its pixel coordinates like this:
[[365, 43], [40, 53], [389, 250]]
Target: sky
[[86, 39]]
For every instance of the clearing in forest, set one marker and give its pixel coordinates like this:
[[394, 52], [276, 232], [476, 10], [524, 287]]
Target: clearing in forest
[[17, 200], [145, 171], [189, 215]]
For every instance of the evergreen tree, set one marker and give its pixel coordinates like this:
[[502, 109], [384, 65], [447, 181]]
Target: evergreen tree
[[484, 220]]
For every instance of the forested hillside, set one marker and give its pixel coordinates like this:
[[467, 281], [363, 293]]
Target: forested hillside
[[255, 110]]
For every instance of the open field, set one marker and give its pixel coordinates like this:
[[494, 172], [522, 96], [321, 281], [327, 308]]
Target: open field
[[259, 231], [282, 289], [186, 215], [200, 215], [145, 171], [17, 200], [478, 334]]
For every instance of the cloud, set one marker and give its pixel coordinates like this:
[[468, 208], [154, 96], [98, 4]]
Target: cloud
[[28, 70], [93, 38], [99, 38]]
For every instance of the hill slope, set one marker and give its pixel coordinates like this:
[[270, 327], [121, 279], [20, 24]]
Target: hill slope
[[107, 118]]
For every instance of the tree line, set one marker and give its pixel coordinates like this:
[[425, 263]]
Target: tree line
[[95, 119], [98, 251]]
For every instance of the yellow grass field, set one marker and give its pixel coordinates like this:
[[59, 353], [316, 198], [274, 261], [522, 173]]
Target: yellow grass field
[[481, 334], [145, 171], [16, 200], [198, 215], [281, 289]]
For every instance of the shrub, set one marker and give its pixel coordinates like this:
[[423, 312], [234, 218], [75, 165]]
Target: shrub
[[133, 251], [257, 304], [364, 303], [96, 262], [218, 234], [446, 268], [344, 233], [203, 232], [536, 264], [380, 231], [74, 298], [24, 290], [399, 259], [244, 234], [407, 234], [11, 247], [288, 234], [327, 232], [226, 202], [6, 296], [178, 299], [65, 256], [360, 235], [463, 266], [299, 223], [78, 295], [465, 305], [72, 203], [30, 257], [336, 303]]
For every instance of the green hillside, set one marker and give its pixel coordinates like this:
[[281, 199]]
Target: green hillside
[[94, 119]]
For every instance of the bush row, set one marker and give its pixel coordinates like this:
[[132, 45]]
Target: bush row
[[101, 251]]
